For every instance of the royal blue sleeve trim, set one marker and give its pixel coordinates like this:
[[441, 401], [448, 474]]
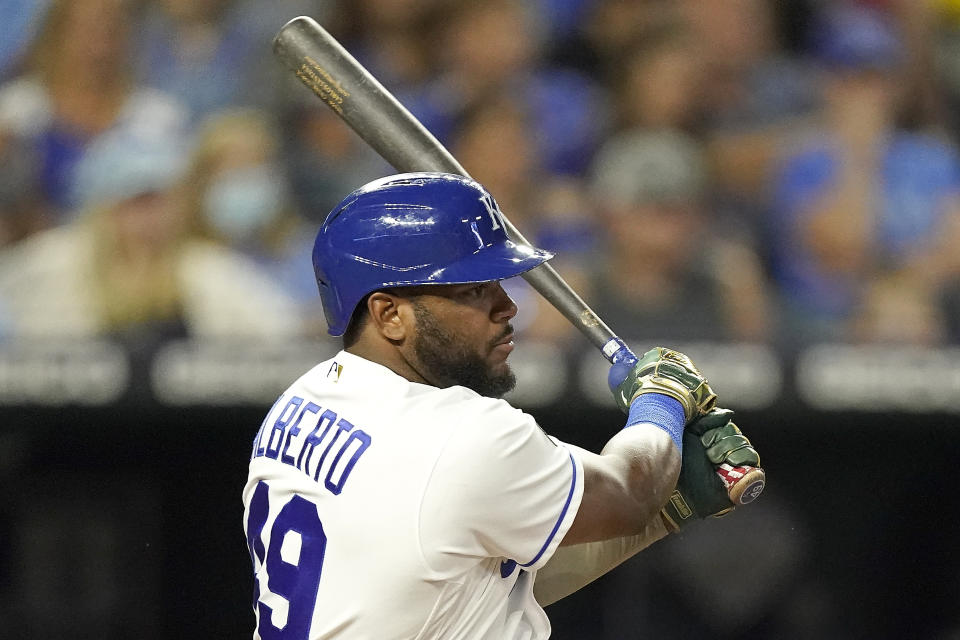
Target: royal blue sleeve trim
[[563, 514], [659, 410]]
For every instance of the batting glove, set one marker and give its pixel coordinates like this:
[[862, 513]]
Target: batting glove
[[668, 372], [709, 442]]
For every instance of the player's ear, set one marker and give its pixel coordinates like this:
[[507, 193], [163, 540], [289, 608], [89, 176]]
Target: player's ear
[[387, 315]]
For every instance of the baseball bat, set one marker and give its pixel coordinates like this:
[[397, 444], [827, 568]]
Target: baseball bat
[[335, 76]]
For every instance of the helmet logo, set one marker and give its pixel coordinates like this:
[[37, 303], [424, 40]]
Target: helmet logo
[[492, 210]]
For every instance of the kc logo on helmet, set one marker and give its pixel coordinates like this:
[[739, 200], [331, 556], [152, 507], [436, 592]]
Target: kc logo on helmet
[[492, 210]]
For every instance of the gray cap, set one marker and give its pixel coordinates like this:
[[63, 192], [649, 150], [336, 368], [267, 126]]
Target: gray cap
[[648, 166]]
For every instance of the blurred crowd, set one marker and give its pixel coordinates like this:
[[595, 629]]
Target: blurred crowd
[[737, 170]]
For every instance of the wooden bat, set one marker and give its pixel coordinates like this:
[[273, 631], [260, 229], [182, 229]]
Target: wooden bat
[[335, 76]]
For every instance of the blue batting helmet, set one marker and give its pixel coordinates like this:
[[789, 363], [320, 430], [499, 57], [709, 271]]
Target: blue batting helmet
[[412, 229]]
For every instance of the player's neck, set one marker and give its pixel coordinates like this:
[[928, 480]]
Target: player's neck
[[390, 356]]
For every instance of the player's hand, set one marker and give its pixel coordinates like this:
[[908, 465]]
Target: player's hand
[[708, 442], [665, 371]]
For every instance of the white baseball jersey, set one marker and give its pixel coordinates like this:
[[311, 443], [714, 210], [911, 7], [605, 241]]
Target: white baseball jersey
[[381, 508]]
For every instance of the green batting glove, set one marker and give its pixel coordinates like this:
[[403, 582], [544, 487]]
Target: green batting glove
[[708, 442], [671, 373]]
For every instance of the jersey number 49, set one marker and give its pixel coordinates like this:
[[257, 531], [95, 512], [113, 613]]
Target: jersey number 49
[[289, 568]]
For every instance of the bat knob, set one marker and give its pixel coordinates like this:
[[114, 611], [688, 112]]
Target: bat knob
[[744, 484]]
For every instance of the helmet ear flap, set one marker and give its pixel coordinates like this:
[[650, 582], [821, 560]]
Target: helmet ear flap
[[412, 229]]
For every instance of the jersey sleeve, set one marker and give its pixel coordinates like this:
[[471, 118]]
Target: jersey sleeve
[[500, 488]]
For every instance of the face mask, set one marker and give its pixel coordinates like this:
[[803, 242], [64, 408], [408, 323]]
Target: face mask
[[242, 202]]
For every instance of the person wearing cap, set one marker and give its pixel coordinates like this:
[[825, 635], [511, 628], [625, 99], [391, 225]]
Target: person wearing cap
[[393, 493], [864, 208], [666, 274]]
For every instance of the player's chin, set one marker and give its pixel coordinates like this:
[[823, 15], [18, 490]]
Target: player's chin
[[501, 371], [497, 359], [500, 381]]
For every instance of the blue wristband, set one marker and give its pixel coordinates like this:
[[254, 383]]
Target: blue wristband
[[659, 410]]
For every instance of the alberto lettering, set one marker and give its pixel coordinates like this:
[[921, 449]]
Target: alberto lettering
[[313, 440]]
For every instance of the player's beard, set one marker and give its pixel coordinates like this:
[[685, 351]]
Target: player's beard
[[448, 362]]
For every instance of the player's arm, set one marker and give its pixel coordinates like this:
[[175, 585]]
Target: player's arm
[[710, 441], [500, 488], [626, 485], [573, 567], [629, 481]]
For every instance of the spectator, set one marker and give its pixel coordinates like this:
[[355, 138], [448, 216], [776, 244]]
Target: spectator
[[667, 274], [78, 86], [495, 48], [663, 276], [864, 200], [754, 97], [212, 54], [238, 196], [613, 27], [658, 81], [324, 158], [396, 39], [127, 267]]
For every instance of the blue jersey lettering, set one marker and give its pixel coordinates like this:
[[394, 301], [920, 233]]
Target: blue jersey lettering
[[285, 443]]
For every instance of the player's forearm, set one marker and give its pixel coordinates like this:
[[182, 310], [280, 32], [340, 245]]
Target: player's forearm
[[649, 463], [572, 568], [626, 485]]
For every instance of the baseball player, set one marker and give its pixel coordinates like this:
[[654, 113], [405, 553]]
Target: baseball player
[[392, 494]]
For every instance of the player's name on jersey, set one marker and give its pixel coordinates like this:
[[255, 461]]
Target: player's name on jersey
[[306, 436]]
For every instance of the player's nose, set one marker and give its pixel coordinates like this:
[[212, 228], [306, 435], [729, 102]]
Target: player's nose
[[504, 308]]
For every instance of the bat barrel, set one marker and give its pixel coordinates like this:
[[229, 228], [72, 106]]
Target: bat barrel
[[335, 76]]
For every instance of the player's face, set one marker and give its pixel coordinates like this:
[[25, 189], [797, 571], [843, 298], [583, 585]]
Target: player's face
[[463, 336]]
